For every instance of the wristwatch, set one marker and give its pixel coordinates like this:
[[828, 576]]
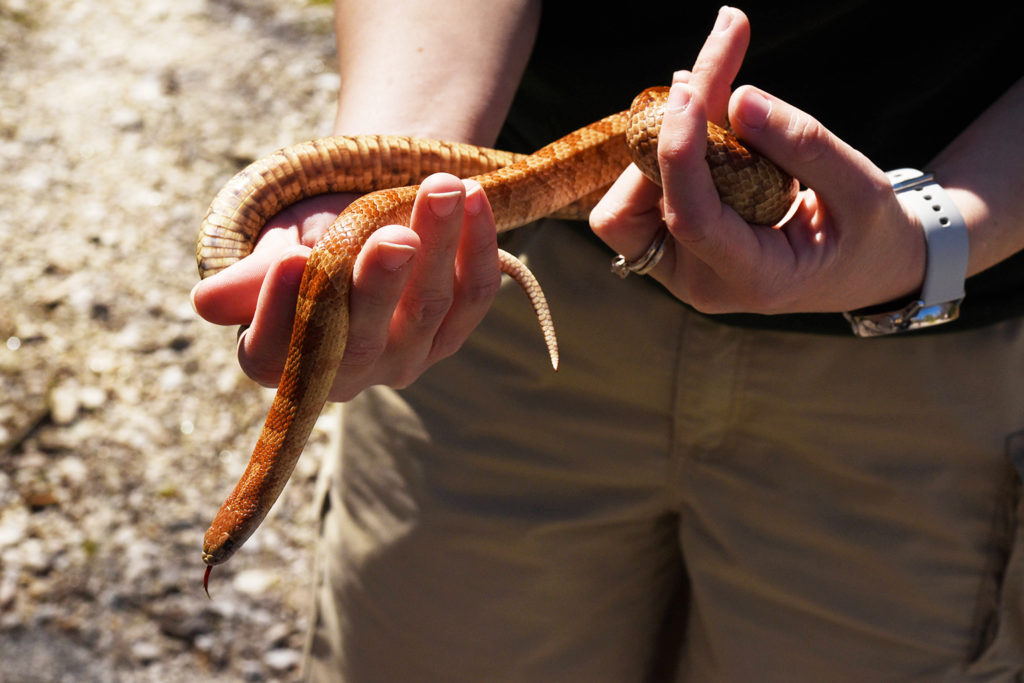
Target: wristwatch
[[945, 234]]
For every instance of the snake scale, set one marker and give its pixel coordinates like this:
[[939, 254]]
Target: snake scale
[[519, 188]]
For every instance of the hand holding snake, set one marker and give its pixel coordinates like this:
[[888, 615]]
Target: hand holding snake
[[848, 244], [426, 288]]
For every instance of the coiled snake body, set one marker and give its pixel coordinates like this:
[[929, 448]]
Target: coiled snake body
[[520, 189]]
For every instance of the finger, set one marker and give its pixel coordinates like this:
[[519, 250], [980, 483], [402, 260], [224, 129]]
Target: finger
[[477, 275], [230, 296], [692, 205], [379, 276], [719, 61], [262, 348], [693, 211], [628, 217], [437, 219], [840, 175]]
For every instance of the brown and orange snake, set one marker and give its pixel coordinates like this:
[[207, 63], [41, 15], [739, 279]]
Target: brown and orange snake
[[520, 189]]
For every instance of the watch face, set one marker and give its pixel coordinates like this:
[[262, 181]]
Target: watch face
[[914, 316]]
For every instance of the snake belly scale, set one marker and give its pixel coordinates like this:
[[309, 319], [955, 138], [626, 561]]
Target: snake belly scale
[[520, 189]]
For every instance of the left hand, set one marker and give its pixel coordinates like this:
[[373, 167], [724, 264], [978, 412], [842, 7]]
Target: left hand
[[848, 243], [417, 292]]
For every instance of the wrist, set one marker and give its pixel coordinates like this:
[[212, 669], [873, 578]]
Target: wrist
[[945, 232]]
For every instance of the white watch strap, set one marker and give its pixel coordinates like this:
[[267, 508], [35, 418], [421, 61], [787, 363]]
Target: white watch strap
[[944, 230], [945, 235]]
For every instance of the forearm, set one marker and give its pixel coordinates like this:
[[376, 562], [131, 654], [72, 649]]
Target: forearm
[[445, 70], [982, 170]]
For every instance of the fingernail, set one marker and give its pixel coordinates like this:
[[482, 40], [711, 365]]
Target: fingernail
[[192, 298], [393, 256], [442, 204], [682, 76], [678, 98], [474, 198], [724, 19], [754, 109]]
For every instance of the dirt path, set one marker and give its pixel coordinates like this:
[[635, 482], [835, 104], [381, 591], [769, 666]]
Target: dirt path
[[123, 417]]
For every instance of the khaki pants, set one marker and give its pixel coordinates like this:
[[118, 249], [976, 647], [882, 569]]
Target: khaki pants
[[683, 500]]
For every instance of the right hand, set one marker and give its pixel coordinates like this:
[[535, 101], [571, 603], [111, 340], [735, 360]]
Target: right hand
[[848, 244], [417, 292]]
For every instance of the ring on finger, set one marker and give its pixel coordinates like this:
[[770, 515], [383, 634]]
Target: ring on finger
[[646, 262]]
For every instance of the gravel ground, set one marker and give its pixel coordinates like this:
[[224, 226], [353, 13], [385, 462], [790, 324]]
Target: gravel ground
[[123, 417]]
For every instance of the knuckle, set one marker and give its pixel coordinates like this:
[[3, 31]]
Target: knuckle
[[810, 140], [445, 345], [672, 149], [361, 352], [479, 292], [427, 309]]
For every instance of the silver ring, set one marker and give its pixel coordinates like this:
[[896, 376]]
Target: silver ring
[[646, 262]]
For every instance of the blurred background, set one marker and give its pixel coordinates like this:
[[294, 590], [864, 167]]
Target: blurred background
[[124, 420]]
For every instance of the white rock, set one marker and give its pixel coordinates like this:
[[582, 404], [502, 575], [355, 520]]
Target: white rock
[[254, 581], [282, 659], [13, 526], [64, 403], [145, 651]]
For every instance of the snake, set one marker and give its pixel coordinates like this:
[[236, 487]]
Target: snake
[[564, 178]]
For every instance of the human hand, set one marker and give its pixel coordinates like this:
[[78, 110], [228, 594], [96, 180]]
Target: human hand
[[417, 292], [847, 244]]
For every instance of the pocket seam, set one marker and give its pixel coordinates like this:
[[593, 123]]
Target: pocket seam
[[1006, 530]]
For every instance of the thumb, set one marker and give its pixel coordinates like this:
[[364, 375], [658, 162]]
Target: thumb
[[839, 175]]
